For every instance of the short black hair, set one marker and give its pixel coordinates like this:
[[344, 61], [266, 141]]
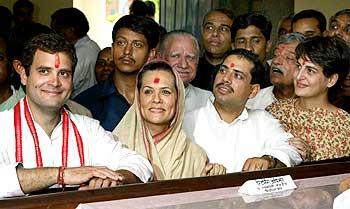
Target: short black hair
[[332, 54], [22, 4], [224, 11], [257, 71], [151, 8], [70, 17], [257, 20], [138, 8], [311, 13], [50, 43], [143, 25]]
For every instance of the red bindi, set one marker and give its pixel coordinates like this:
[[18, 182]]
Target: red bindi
[[57, 61], [156, 80], [232, 65]]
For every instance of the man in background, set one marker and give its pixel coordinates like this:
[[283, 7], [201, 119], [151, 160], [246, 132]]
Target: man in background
[[216, 37]]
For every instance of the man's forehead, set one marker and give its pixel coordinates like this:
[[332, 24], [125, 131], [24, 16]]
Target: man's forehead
[[250, 31], [177, 43], [129, 34], [290, 47], [216, 17], [237, 61]]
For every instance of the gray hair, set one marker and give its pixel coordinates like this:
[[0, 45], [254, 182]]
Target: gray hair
[[291, 37], [163, 45]]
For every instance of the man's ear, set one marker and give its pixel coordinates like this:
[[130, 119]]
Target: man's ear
[[332, 80], [268, 46], [254, 90], [17, 65], [152, 54]]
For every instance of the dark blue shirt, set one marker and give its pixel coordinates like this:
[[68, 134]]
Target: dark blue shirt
[[105, 103]]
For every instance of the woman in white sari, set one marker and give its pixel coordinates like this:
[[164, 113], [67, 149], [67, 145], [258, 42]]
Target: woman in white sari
[[153, 126]]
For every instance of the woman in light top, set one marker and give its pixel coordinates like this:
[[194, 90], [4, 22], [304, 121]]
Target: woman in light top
[[153, 126], [324, 129]]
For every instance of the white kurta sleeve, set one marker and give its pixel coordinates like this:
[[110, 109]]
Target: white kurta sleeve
[[9, 184], [105, 150], [276, 141]]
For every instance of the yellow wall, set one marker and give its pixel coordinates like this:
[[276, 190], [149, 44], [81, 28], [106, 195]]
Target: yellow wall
[[42, 8], [327, 7]]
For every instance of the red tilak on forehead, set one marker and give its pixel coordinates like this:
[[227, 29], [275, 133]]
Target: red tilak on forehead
[[57, 61], [156, 80], [232, 65]]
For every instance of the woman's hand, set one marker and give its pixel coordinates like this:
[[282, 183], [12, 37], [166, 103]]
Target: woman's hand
[[213, 169]]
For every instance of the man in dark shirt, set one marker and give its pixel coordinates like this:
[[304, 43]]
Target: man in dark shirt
[[216, 38], [134, 40]]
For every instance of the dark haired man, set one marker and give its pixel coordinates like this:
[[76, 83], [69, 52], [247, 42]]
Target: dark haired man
[[216, 39], [72, 24], [252, 32], [236, 137], [23, 12], [309, 22], [45, 143], [339, 26], [134, 41]]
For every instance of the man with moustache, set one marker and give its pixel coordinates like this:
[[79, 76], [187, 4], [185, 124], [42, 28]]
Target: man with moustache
[[181, 50], [134, 39], [216, 37], [339, 26], [282, 69], [238, 138]]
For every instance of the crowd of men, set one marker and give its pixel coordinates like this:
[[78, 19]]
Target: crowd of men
[[61, 97]]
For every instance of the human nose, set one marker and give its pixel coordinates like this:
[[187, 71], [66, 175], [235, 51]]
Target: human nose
[[300, 74], [183, 62], [227, 77], [128, 49], [54, 80], [156, 97], [249, 46], [277, 60]]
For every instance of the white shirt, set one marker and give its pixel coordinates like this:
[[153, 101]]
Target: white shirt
[[262, 99], [100, 149], [342, 201], [84, 74], [253, 134], [195, 98]]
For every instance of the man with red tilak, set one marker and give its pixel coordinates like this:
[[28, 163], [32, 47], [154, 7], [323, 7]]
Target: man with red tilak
[[45, 145]]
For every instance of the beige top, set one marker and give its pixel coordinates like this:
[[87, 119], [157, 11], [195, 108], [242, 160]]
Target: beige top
[[174, 156]]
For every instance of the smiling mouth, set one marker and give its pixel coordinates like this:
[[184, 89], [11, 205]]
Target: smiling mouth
[[156, 110], [301, 85]]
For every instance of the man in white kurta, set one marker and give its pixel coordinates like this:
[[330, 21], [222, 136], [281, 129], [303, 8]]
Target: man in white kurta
[[100, 149], [239, 139], [253, 133], [181, 50], [44, 144]]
